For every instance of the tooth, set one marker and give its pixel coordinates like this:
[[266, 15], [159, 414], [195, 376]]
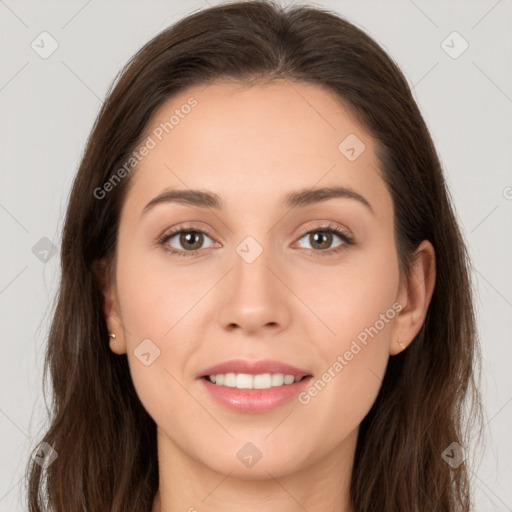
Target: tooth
[[248, 381], [230, 380], [277, 379], [289, 379], [244, 381], [263, 381]]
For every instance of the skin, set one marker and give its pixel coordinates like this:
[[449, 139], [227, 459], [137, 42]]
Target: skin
[[251, 145]]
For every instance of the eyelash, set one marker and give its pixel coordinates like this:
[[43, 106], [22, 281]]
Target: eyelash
[[328, 228]]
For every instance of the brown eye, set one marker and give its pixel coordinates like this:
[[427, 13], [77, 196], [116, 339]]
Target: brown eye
[[321, 240], [185, 240], [191, 240]]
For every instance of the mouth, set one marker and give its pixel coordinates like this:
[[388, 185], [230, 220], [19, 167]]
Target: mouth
[[258, 381], [253, 386]]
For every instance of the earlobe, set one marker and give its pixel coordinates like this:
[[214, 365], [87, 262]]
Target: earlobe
[[415, 295], [114, 324], [111, 309]]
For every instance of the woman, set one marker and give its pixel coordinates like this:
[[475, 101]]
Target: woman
[[261, 228]]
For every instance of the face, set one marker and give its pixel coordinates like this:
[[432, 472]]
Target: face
[[273, 274]]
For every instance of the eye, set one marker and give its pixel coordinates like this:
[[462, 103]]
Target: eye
[[188, 241], [184, 240], [320, 240]]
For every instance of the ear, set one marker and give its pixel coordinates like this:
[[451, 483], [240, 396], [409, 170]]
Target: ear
[[106, 278], [414, 296]]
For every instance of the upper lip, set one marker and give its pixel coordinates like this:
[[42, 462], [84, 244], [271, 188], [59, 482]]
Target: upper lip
[[254, 368]]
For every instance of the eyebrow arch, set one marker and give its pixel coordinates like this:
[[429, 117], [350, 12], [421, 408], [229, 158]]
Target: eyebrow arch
[[295, 199], [199, 198], [306, 197]]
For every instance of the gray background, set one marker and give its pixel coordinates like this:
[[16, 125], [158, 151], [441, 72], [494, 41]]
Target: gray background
[[48, 108]]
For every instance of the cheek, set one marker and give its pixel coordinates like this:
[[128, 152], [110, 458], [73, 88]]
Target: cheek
[[351, 296], [355, 304], [159, 305], [341, 397], [156, 305], [155, 293]]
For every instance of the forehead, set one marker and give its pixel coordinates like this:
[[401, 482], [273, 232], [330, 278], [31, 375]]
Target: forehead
[[248, 141]]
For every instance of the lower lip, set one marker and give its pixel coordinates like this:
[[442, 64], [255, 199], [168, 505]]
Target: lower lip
[[254, 400]]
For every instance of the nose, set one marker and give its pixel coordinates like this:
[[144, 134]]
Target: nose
[[254, 296]]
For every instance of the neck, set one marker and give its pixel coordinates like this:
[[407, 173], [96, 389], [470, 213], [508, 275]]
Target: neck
[[187, 485]]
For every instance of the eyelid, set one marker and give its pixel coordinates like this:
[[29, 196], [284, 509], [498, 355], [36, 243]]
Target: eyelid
[[187, 226], [342, 232], [190, 225], [325, 225]]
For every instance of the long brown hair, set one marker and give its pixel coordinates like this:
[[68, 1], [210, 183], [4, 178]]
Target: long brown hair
[[104, 438]]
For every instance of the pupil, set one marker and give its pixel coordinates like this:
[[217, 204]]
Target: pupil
[[189, 238], [322, 234], [317, 237]]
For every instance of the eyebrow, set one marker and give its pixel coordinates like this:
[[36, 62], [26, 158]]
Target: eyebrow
[[295, 199]]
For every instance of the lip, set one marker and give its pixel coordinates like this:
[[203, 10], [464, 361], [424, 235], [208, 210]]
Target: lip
[[254, 401], [254, 368]]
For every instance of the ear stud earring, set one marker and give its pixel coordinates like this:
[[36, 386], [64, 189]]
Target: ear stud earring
[[401, 344], [113, 336]]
